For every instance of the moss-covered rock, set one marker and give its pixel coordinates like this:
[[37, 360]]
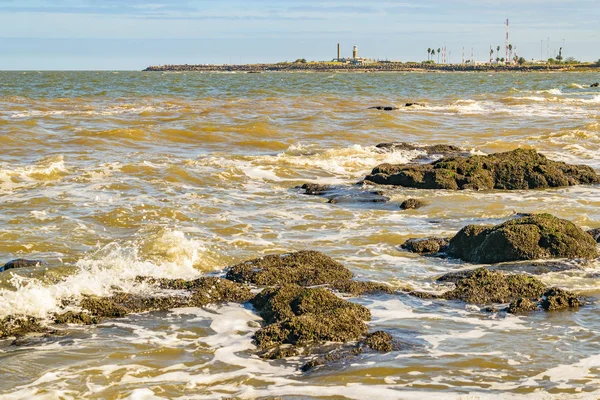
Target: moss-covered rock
[[426, 245], [482, 286], [559, 299], [305, 268], [302, 316], [412, 204], [514, 170], [380, 341], [19, 326], [527, 238], [202, 291], [522, 305], [79, 318]]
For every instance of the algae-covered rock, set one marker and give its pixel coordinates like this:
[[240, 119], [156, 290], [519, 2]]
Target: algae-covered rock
[[305, 268], [522, 305], [482, 286], [202, 291], [380, 341], [514, 170], [301, 316], [527, 238], [79, 318], [412, 204], [19, 326], [431, 149], [559, 299], [426, 245], [315, 189]]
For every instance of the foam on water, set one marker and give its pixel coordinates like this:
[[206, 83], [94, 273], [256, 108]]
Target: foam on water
[[47, 169], [113, 266]]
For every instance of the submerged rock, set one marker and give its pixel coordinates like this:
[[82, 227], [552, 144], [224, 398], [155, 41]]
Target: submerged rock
[[411, 204], [595, 233], [527, 238], [426, 245], [341, 194], [315, 189], [514, 170], [305, 268], [21, 263], [79, 318], [304, 316], [595, 84], [482, 286], [383, 108]]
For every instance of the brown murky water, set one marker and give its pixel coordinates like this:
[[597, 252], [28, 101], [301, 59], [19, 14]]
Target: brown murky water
[[106, 176]]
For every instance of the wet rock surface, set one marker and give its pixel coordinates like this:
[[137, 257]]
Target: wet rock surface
[[596, 84], [522, 305], [559, 299], [429, 245], [412, 204], [527, 238], [78, 318], [383, 108], [514, 170], [341, 194], [595, 233], [304, 316], [21, 263], [380, 341]]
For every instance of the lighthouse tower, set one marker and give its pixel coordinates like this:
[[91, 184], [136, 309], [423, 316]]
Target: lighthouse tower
[[355, 52]]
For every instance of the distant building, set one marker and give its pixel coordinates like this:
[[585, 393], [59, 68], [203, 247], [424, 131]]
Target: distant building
[[355, 60], [355, 52]]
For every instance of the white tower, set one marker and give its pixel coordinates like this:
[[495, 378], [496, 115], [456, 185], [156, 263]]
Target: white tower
[[355, 52]]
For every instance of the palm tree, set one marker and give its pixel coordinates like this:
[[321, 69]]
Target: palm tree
[[432, 53], [428, 53], [439, 50], [491, 54], [510, 51], [497, 51]]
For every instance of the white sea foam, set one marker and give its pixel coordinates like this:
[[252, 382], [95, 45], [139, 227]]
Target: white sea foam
[[113, 266], [17, 176]]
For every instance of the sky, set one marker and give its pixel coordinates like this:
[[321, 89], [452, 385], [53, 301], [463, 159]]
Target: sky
[[133, 34]]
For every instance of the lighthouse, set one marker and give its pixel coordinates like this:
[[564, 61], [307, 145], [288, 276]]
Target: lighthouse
[[355, 52]]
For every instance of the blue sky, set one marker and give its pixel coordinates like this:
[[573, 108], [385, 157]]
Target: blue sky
[[111, 34]]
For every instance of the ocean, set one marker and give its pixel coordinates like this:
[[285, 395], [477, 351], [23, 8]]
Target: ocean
[[106, 176]]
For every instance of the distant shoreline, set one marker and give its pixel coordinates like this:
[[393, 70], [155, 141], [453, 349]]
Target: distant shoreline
[[375, 67]]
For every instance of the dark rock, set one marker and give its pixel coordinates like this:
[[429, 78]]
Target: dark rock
[[365, 197], [411, 204], [315, 189], [514, 170], [305, 268], [19, 326], [595, 234], [384, 108], [302, 316], [559, 299], [522, 305], [280, 352], [79, 318], [380, 341], [21, 263], [482, 286], [455, 276], [432, 149], [527, 238], [414, 104], [426, 245], [332, 356], [595, 84]]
